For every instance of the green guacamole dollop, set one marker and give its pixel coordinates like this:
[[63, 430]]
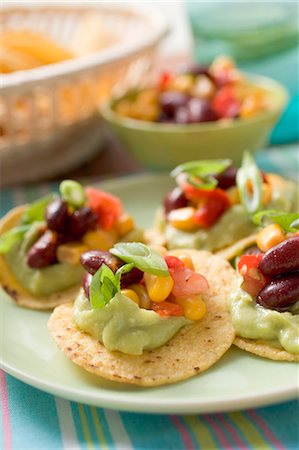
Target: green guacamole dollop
[[122, 325], [232, 226], [46, 281], [253, 321]]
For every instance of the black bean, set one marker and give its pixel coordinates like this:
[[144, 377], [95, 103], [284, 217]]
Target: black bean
[[281, 259], [281, 293]]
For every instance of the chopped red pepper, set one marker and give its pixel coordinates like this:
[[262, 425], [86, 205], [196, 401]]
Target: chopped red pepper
[[105, 205], [164, 80], [167, 309], [253, 279], [215, 203], [225, 104]]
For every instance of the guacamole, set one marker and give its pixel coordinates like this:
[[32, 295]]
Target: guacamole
[[122, 325], [232, 226], [252, 321], [46, 281]]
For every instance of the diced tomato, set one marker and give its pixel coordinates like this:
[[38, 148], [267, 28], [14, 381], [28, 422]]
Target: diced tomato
[[167, 309], [225, 103], [213, 209], [187, 282], [164, 80], [173, 263], [105, 205], [253, 279]]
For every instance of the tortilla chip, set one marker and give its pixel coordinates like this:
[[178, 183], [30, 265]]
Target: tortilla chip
[[237, 248], [262, 349], [14, 289], [191, 351]]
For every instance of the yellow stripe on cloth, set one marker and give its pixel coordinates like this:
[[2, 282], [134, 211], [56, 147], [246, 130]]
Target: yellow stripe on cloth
[[201, 432], [249, 431], [98, 428], [85, 427]]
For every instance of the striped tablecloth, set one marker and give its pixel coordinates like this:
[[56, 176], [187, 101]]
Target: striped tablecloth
[[32, 419]]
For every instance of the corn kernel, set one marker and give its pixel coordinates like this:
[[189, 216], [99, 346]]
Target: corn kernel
[[266, 193], [194, 307], [132, 295], [158, 288], [144, 300], [182, 218], [70, 253], [269, 237], [182, 83], [124, 224], [233, 195], [186, 260], [99, 239], [275, 180]]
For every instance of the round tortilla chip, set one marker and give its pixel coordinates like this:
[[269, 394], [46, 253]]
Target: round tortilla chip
[[192, 350], [264, 350], [14, 289]]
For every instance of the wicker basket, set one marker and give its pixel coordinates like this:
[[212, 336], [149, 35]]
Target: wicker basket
[[48, 119]]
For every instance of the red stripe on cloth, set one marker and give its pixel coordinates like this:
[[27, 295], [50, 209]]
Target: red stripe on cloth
[[7, 441], [267, 432], [235, 437], [186, 438], [220, 435]]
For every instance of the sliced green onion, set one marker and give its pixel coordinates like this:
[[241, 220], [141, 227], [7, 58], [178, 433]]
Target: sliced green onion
[[103, 287], [200, 173], [288, 221], [144, 258], [73, 193], [9, 239], [105, 284], [35, 212], [122, 270], [249, 175]]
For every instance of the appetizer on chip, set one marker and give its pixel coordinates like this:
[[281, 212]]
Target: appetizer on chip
[[265, 304], [41, 243], [147, 317], [211, 206]]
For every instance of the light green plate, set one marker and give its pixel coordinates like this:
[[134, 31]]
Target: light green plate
[[239, 380]]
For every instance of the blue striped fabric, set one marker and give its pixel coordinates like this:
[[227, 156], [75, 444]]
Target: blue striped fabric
[[32, 419]]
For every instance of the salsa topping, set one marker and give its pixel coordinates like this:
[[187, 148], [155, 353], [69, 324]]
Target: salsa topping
[[69, 224], [207, 188], [272, 277], [165, 284]]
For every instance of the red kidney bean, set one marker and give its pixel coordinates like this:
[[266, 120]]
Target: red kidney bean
[[56, 215], [134, 276], [280, 293], [86, 282], [175, 199], [171, 100], [43, 251], [81, 221], [281, 259], [197, 110], [227, 178], [93, 259]]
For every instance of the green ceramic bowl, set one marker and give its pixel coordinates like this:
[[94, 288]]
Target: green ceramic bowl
[[162, 146]]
